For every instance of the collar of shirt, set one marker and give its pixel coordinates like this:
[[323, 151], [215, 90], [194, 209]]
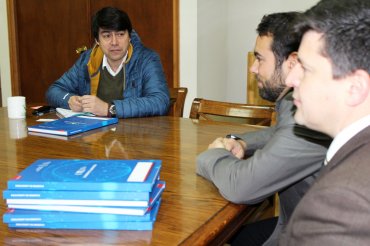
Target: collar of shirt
[[345, 135], [109, 69]]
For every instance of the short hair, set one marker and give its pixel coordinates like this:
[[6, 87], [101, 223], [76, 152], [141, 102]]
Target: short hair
[[281, 27], [345, 25], [111, 19]]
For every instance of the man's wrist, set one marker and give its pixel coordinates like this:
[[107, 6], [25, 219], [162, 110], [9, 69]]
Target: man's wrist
[[240, 140], [112, 110], [233, 137]]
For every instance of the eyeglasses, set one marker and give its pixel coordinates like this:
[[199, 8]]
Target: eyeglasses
[[108, 36]]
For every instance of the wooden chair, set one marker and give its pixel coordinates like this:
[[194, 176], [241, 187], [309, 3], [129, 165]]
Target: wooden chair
[[177, 101], [204, 109]]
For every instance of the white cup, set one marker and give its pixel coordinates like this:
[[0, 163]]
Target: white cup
[[17, 107], [17, 128]]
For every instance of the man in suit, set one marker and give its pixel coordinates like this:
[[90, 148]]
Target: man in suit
[[286, 156], [332, 95]]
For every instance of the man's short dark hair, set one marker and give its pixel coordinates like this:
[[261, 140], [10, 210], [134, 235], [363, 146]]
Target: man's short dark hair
[[285, 39], [111, 19], [345, 25]]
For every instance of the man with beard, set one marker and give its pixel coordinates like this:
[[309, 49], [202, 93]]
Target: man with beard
[[286, 157]]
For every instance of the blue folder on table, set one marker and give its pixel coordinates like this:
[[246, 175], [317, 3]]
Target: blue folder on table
[[72, 125], [88, 175]]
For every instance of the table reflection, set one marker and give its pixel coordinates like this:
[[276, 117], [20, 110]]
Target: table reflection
[[17, 128]]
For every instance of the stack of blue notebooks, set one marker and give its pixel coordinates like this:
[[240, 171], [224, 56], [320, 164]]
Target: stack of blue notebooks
[[85, 194]]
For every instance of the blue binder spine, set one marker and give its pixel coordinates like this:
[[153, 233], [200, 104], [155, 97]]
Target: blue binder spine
[[155, 194], [95, 209], [110, 225], [81, 195], [31, 216]]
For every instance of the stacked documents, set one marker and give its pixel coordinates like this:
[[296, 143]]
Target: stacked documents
[[85, 194]]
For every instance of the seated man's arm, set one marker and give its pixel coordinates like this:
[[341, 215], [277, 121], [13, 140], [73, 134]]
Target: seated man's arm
[[241, 145], [284, 160], [256, 139], [71, 83], [155, 99]]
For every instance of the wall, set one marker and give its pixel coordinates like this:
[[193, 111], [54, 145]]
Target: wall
[[4, 54], [212, 52], [188, 50]]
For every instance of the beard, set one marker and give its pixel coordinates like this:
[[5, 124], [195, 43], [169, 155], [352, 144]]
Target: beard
[[273, 87]]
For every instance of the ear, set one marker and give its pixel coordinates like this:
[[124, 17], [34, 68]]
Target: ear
[[96, 41], [359, 87], [292, 59]]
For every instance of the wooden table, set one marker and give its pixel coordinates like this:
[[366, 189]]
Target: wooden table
[[192, 211]]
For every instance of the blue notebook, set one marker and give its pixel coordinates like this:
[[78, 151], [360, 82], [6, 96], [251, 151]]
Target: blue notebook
[[100, 225], [83, 195], [88, 175], [88, 209], [72, 125], [78, 201], [31, 216]]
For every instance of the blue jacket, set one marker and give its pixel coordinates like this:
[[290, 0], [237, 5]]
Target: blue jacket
[[145, 87]]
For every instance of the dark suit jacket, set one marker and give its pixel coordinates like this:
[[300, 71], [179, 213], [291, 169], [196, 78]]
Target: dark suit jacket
[[336, 210]]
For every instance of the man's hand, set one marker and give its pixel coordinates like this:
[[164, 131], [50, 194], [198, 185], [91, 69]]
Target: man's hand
[[95, 105], [74, 103], [236, 147]]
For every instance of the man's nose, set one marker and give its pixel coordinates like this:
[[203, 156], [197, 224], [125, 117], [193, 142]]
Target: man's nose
[[114, 39], [254, 67]]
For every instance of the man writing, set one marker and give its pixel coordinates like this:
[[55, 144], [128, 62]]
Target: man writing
[[286, 156], [332, 94], [119, 77]]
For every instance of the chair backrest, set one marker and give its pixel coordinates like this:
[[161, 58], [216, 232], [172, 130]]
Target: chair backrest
[[204, 109], [177, 101]]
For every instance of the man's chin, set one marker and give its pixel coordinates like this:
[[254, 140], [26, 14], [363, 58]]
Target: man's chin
[[299, 118], [309, 123], [116, 56]]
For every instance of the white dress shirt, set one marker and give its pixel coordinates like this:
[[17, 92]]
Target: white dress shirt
[[109, 69]]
